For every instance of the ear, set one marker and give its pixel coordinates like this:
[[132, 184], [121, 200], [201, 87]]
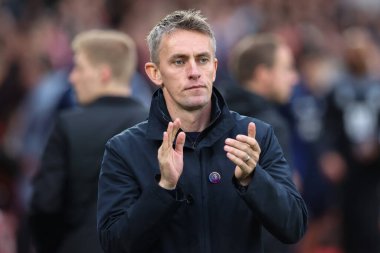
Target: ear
[[105, 73], [215, 68], [262, 74], [153, 73]]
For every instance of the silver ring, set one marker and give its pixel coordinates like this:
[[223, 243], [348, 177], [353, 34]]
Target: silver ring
[[247, 159]]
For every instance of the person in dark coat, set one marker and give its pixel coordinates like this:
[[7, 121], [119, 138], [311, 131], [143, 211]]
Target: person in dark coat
[[194, 177], [262, 65], [63, 203]]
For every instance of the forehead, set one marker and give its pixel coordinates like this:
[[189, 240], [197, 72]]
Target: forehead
[[283, 53], [185, 42], [80, 58]]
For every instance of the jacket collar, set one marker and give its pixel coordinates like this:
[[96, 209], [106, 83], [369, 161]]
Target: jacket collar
[[106, 100], [221, 119]]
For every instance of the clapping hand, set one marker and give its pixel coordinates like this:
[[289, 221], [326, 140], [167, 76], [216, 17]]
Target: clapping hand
[[244, 151], [171, 159]]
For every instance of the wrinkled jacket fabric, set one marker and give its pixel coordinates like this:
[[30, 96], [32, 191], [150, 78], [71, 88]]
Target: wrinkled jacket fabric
[[136, 215]]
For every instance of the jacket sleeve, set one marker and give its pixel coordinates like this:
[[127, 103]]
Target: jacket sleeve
[[45, 217], [130, 219], [272, 195]]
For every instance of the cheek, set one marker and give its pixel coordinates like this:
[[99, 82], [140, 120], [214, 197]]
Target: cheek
[[172, 78], [89, 77], [211, 73], [282, 79], [278, 79], [73, 77], [291, 79], [84, 81]]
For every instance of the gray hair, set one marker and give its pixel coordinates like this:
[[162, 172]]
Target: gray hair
[[191, 20]]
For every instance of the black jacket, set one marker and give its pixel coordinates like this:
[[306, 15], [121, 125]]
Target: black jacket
[[63, 204], [137, 215], [250, 104]]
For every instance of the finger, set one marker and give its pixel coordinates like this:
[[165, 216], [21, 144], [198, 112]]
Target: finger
[[180, 142], [237, 161], [243, 145], [164, 144], [177, 122], [243, 169], [176, 127], [252, 130], [236, 152], [249, 141], [169, 132]]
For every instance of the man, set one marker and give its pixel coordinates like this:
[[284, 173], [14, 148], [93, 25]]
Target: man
[[263, 67], [194, 177], [63, 205]]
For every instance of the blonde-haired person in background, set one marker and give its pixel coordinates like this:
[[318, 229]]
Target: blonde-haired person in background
[[112, 55], [63, 205]]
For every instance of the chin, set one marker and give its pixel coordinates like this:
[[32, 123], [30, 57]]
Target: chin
[[83, 101], [196, 104]]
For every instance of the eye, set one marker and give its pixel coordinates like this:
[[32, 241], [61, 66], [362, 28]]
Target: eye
[[204, 60], [178, 62]]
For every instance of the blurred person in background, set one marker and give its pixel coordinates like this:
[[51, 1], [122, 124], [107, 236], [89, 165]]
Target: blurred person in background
[[12, 90], [263, 67], [45, 78], [9, 171], [24, 116], [352, 144], [306, 113], [262, 64], [63, 204]]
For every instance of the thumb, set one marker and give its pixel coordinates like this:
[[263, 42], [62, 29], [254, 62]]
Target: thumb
[[252, 130]]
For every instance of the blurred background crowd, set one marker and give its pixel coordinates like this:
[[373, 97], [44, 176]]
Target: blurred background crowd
[[332, 113]]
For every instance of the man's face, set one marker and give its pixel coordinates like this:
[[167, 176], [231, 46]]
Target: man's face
[[85, 79], [284, 75], [186, 70]]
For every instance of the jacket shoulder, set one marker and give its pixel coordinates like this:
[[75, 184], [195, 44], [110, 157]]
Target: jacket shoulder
[[243, 120], [137, 131]]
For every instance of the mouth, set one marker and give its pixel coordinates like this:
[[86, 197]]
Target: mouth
[[194, 87]]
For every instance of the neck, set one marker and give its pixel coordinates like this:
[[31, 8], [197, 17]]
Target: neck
[[192, 121], [116, 89]]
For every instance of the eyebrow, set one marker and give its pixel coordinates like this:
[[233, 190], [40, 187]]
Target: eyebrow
[[204, 54], [176, 56], [185, 56]]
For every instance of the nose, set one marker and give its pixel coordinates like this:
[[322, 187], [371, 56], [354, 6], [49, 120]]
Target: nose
[[72, 77], [295, 77], [193, 70]]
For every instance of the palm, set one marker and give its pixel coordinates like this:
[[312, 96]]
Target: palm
[[171, 163], [171, 159]]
